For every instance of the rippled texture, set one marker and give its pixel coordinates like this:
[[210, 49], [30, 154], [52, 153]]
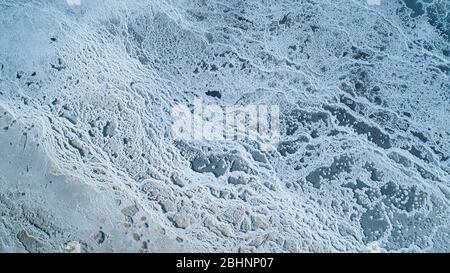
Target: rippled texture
[[89, 162]]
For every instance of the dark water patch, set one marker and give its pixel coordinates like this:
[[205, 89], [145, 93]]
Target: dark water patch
[[239, 165], [359, 185], [374, 134], [419, 152], [444, 69], [212, 164], [403, 198], [439, 17], [360, 54], [340, 164], [446, 52], [440, 154], [389, 121], [420, 136], [375, 174], [374, 224], [425, 173], [286, 20], [215, 94], [416, 7]]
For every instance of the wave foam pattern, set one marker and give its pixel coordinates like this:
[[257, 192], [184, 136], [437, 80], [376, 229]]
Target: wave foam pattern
[[89, 160]]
